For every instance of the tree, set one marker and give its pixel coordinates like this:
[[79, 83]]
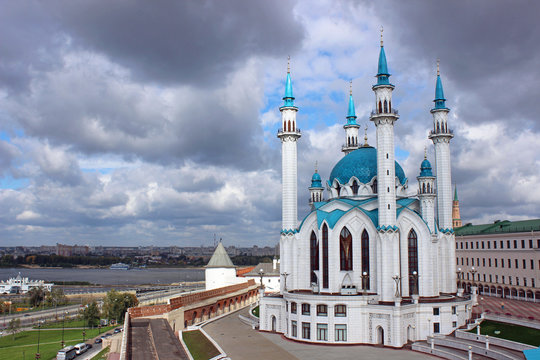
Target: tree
[[36, 295], [55, 297], [91, 314], [116, 304], [14, 326]]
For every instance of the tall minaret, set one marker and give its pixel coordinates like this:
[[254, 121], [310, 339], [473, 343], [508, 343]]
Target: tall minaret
[[441, 136], [316, 189], [288, 135], [384, 118], [351, 127], [426, 193], [456, 218]]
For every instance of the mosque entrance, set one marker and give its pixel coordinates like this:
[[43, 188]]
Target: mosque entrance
[[410, 333]]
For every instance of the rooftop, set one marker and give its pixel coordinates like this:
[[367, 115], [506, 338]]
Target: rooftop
[[498, 226]]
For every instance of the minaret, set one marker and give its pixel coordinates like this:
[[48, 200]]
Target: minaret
[[426, 193], [289, 135], [316, 189], [384, 118], [441, 136], [351, 127], [456, 218]]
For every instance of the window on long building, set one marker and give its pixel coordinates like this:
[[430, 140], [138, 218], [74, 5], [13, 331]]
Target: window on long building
[[365, 257], [345, 249], [314, 252], [325, 255], [413, 261]]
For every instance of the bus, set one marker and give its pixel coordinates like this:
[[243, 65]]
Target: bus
[[67, 353]]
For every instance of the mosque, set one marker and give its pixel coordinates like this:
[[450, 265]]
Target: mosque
[[370, 264]]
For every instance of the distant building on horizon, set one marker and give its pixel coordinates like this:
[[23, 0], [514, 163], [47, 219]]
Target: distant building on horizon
[[456, 217]]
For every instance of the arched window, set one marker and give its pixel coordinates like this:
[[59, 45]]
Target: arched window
[[389, 105], [424, 187], [354, 187], [380, 106], [374, 186], [293, 126], [445, 127], [438, 128], [314, 252], [289, 126], [365, 257], [325, 255], [345, 249], [385, 106], [429, 192], [338, 190], [413, 261]]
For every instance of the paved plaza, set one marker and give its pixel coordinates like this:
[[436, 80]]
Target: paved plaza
[[241, 342], [515, 308]]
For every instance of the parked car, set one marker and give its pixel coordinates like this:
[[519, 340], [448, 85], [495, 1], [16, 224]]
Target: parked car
[[117, 330], [98, 340], [89, 345]]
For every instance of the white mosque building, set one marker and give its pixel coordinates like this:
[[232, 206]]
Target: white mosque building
[[369, 264]]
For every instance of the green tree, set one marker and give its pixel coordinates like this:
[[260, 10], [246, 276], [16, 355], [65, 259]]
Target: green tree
[[91, 314], [55, 297], [14, 326], [36, 296], [116, 304]]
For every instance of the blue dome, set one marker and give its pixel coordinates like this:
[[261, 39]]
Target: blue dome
[[361, 163], [316, 180], [425, 168]]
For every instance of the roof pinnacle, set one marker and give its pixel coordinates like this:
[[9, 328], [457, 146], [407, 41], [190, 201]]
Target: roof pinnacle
[[425, 152], [382, 29], [288, 64], [438, 72], [365, 136], [316, 165], [350, 87]]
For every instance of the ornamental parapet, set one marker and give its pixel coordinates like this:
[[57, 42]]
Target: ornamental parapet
[[289, 231], [446, 231], [387, 228]]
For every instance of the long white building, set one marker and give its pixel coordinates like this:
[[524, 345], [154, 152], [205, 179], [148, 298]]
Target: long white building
[[21, 285], [369, 264]]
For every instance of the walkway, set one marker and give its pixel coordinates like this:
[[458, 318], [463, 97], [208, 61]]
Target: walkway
[[517, 308], [240, 342]]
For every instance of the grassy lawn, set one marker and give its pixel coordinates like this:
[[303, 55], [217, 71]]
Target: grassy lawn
[[516, 333], [25, 344], [74, 323], [199, 346], [255, 311]]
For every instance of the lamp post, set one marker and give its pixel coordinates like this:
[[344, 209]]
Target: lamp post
[[365, 282], [473, 271], [63, 322], [414, 277], [261, 274], [38, 337], [459, 272], [397, 280]]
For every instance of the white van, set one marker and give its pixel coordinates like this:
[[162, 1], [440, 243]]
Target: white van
[[80, 348], [66, 353]]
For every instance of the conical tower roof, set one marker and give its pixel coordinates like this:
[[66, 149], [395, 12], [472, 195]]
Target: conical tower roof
[[220, 259]]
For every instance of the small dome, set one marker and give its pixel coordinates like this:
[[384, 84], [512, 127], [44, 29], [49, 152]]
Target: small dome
[[316, 180], [362, 164], [425, 168]]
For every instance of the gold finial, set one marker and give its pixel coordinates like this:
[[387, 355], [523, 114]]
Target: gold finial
[[438, 61], [425, 152], [365, 136], [382, 29], [289, 64], [316, 165], [350, 87]]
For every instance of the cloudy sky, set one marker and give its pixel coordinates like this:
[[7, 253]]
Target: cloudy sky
[[123, 123]]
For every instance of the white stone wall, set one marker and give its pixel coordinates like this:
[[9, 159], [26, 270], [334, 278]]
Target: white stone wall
[[386, 173], [289, 184], [220, 277]]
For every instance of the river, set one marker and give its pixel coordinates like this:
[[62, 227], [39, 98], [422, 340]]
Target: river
[[107, 276]]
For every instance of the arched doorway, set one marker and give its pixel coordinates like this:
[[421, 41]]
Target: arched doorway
[[380, 335], [273, 323]]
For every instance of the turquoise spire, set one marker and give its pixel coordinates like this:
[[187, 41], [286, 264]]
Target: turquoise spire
[[439, 93], [455, 193], [382, 71], [351, 114], [288, 98]]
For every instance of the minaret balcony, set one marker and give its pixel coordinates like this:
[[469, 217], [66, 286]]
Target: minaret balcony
[[448, 132], [351, 147], [296, 132], [384, 113]]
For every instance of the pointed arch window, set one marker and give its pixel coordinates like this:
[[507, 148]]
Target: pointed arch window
[[345, 250], [365, 257], [289, 126], [314, 255], [429, 192], [424, 188], [438, 127], [389, 105], [338, 190], [380, 106], [413, 261], [325, 256], [354, 187], [385, 106], [374, 186]]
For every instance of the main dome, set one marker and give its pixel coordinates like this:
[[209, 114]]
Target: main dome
[[362, 164]]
